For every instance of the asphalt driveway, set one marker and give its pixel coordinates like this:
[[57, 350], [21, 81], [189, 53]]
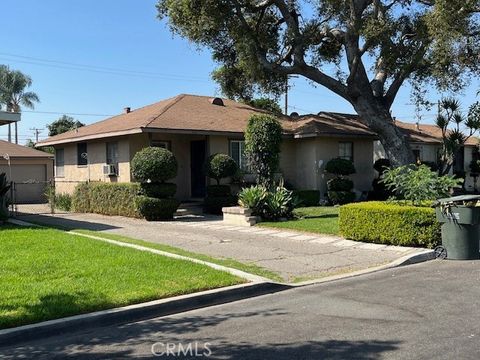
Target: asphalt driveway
[[424, 311], [294, 256]]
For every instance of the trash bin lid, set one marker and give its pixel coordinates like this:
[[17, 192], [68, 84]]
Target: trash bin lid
[[460, 198]]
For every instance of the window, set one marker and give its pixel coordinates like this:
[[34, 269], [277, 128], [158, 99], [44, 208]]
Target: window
[[237, 152], [112, 155], [59, 163], [82, 155], [345, 150], [161, 144]]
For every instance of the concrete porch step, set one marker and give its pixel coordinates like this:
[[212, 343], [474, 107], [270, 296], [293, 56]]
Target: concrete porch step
[[190, 208]]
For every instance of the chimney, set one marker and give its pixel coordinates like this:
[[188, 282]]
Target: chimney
[[127, 110]]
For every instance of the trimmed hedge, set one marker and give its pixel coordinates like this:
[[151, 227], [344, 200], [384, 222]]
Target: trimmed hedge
[[341, 197], [308, 197], [106, 199], [153, 209], [158, 190], [389, 223], [154, 164]]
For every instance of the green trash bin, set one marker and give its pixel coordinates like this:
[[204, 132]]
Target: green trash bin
[[460, 220]]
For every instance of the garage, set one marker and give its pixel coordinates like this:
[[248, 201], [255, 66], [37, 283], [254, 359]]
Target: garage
[[29, 169]]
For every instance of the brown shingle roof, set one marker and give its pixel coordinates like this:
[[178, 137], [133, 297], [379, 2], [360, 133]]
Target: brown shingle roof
[[331, 124], [19, 151], [185, 113], [425, 133]]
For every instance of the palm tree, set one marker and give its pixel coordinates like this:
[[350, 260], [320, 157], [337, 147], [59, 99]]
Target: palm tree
[[13, 84]]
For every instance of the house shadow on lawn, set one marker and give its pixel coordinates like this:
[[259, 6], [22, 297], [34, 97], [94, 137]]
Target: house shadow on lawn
[[325, 216], [131, 340]]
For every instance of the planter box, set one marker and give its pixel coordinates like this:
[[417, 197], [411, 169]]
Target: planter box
[[238, 216]]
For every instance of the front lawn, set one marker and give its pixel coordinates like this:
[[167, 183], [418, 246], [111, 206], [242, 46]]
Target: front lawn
[[321, 220], [47, 274]]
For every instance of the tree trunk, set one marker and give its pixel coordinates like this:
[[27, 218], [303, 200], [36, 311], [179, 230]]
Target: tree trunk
[[394, 141]]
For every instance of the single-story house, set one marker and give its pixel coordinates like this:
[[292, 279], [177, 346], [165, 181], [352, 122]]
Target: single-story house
[[426, 143], [28, 168], [194, 127]]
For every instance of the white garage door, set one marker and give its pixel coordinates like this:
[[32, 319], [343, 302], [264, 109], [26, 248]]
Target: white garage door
[[30, 182]]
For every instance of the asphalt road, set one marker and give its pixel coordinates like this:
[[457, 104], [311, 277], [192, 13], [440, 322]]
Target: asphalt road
[[424, 311]]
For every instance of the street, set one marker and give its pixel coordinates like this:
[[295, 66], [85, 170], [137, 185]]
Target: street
[[424, 311]]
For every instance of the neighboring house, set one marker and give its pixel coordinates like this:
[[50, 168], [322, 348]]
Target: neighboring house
[[426, 142], [28, 168], [194, 127]]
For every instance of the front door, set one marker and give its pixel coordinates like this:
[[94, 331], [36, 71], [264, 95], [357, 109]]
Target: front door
[[197, 160]]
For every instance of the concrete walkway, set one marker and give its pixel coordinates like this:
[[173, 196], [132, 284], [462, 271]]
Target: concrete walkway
[[294, 256]]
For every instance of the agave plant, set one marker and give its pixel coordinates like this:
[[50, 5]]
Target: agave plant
[[4, 188]]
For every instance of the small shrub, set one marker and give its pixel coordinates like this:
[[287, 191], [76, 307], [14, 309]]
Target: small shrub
[[418, 183], [154, 164], [339, 184], [279, 203], [219, 166], [218, 190], [63, 202], [253, 198], [106, 199], [340, 167], [388, 223], [341, 197], [308, 197], [153, 209], [214, 204], [158, 190], [263, 137]]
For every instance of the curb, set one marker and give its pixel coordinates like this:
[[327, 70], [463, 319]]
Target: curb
[[425, 255], [137, 312]]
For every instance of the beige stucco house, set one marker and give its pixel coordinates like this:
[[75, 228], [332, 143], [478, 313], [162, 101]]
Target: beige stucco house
[[426, 143], [193, 127]]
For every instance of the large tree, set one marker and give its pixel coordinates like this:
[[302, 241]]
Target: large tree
[[63, 124], [362, 50], [13, 90]]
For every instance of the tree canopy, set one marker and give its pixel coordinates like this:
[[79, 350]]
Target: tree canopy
[[362, 50], [63, 124], [13, 86]]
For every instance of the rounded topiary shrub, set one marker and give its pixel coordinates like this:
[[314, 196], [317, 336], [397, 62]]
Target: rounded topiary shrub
[[154, 164], [339, 184], [153, 209], [340, 167], [219, 166], [381, 165], [158, 190], [341, 197]]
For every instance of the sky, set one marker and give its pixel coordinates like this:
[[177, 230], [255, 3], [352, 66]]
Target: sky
[[92, 58]]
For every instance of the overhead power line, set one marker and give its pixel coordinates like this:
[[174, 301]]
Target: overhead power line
[[65, 113], [97, 69]]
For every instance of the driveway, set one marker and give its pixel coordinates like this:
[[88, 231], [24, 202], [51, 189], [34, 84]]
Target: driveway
[[423, 311], [294, 256]]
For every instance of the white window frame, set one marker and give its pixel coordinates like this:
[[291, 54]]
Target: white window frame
[[60, 165], [342, 153], [162, 144], [112, 160], [241, 161]]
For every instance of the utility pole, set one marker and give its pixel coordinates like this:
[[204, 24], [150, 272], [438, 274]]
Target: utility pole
[[37, 132], [286, 92]]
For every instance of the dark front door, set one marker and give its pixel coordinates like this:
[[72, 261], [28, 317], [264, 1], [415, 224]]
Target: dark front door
[[197, 159]]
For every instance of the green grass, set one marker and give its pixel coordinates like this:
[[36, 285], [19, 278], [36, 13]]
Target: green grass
[[320, 220], [46, 274], [249, 268]]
